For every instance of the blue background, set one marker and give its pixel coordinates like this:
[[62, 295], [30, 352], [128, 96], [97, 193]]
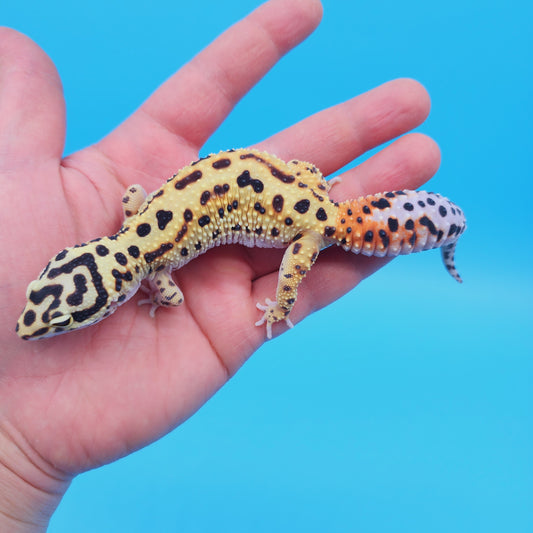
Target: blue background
[[337, 425]]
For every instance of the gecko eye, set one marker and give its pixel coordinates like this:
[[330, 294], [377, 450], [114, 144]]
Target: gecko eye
[[61, 321]]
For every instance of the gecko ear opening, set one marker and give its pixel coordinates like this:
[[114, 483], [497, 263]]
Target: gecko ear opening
[[61, 321]]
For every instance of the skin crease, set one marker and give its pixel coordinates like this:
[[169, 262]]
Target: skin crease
[[75, 402]]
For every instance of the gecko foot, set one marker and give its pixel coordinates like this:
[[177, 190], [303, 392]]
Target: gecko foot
[[272, 313]]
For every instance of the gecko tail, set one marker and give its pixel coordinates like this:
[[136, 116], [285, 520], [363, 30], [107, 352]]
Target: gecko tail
[[448, 252]]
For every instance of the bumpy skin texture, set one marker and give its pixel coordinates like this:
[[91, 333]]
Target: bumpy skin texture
[[240, 196]]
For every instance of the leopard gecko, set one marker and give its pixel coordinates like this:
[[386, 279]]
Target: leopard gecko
[[238, 196]]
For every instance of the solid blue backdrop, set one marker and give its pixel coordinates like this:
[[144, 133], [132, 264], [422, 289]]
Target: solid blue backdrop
[[343, 424]]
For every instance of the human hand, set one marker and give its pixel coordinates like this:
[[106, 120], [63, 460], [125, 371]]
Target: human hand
[[74, 402]]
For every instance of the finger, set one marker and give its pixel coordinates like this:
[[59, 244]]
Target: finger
[[188, 108], [334, 137], [32, 110], [406, 163]]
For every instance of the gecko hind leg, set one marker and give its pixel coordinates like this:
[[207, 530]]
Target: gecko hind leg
[[299, 257]]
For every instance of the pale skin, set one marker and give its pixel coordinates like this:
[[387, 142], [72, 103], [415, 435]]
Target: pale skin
[[77, 401]]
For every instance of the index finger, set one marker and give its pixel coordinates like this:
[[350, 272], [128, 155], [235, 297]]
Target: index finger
[[189, 107]]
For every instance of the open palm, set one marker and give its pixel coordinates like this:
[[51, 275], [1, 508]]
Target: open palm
[[76, 401]]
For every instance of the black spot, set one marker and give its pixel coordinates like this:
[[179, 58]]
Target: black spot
[[296, 248], [61, 255], [80, 282], [286, 288], [274, 232], [102, 250], [412, 239], [430, 201], [393, 224], [258, 207], [408, 206], [369, 235], [134, 251], [290, 301], [302, 185], [302, 206], [360, 220], [181, 233], [343, 221], [184, 252], [187, 215], [187, 180], [442, 211], [421, 203], [348, 229], [121, 298], [37, 333], [205, 197], [382, 203], [203, 221], [152, 256], [221, 190], [321, 214], [235, 204], [285, 178], [121, 258], [215, 234], [221, 212], [288, 221], [390, 195], [143, 229], [453, 229], [313, 257], [163, 218], [384, 237], [439, 235], [409, 225], [350, 212], [277, 203], [425, 221], [366, 210], [198, 246], [244, 180], [29, 317], [329, 231], [237, 227], [221, 163]]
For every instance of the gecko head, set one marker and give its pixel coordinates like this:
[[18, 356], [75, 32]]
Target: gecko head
[[72, 293]]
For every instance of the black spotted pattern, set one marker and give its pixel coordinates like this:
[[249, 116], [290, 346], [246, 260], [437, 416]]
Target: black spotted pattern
[[134, 251], [143, 229], [187, 180], [163, 218], [152, 256], [245, 180], [102, 250], [121, 259], [277, 203], [80, 284], [302, 206], [321, 214]]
